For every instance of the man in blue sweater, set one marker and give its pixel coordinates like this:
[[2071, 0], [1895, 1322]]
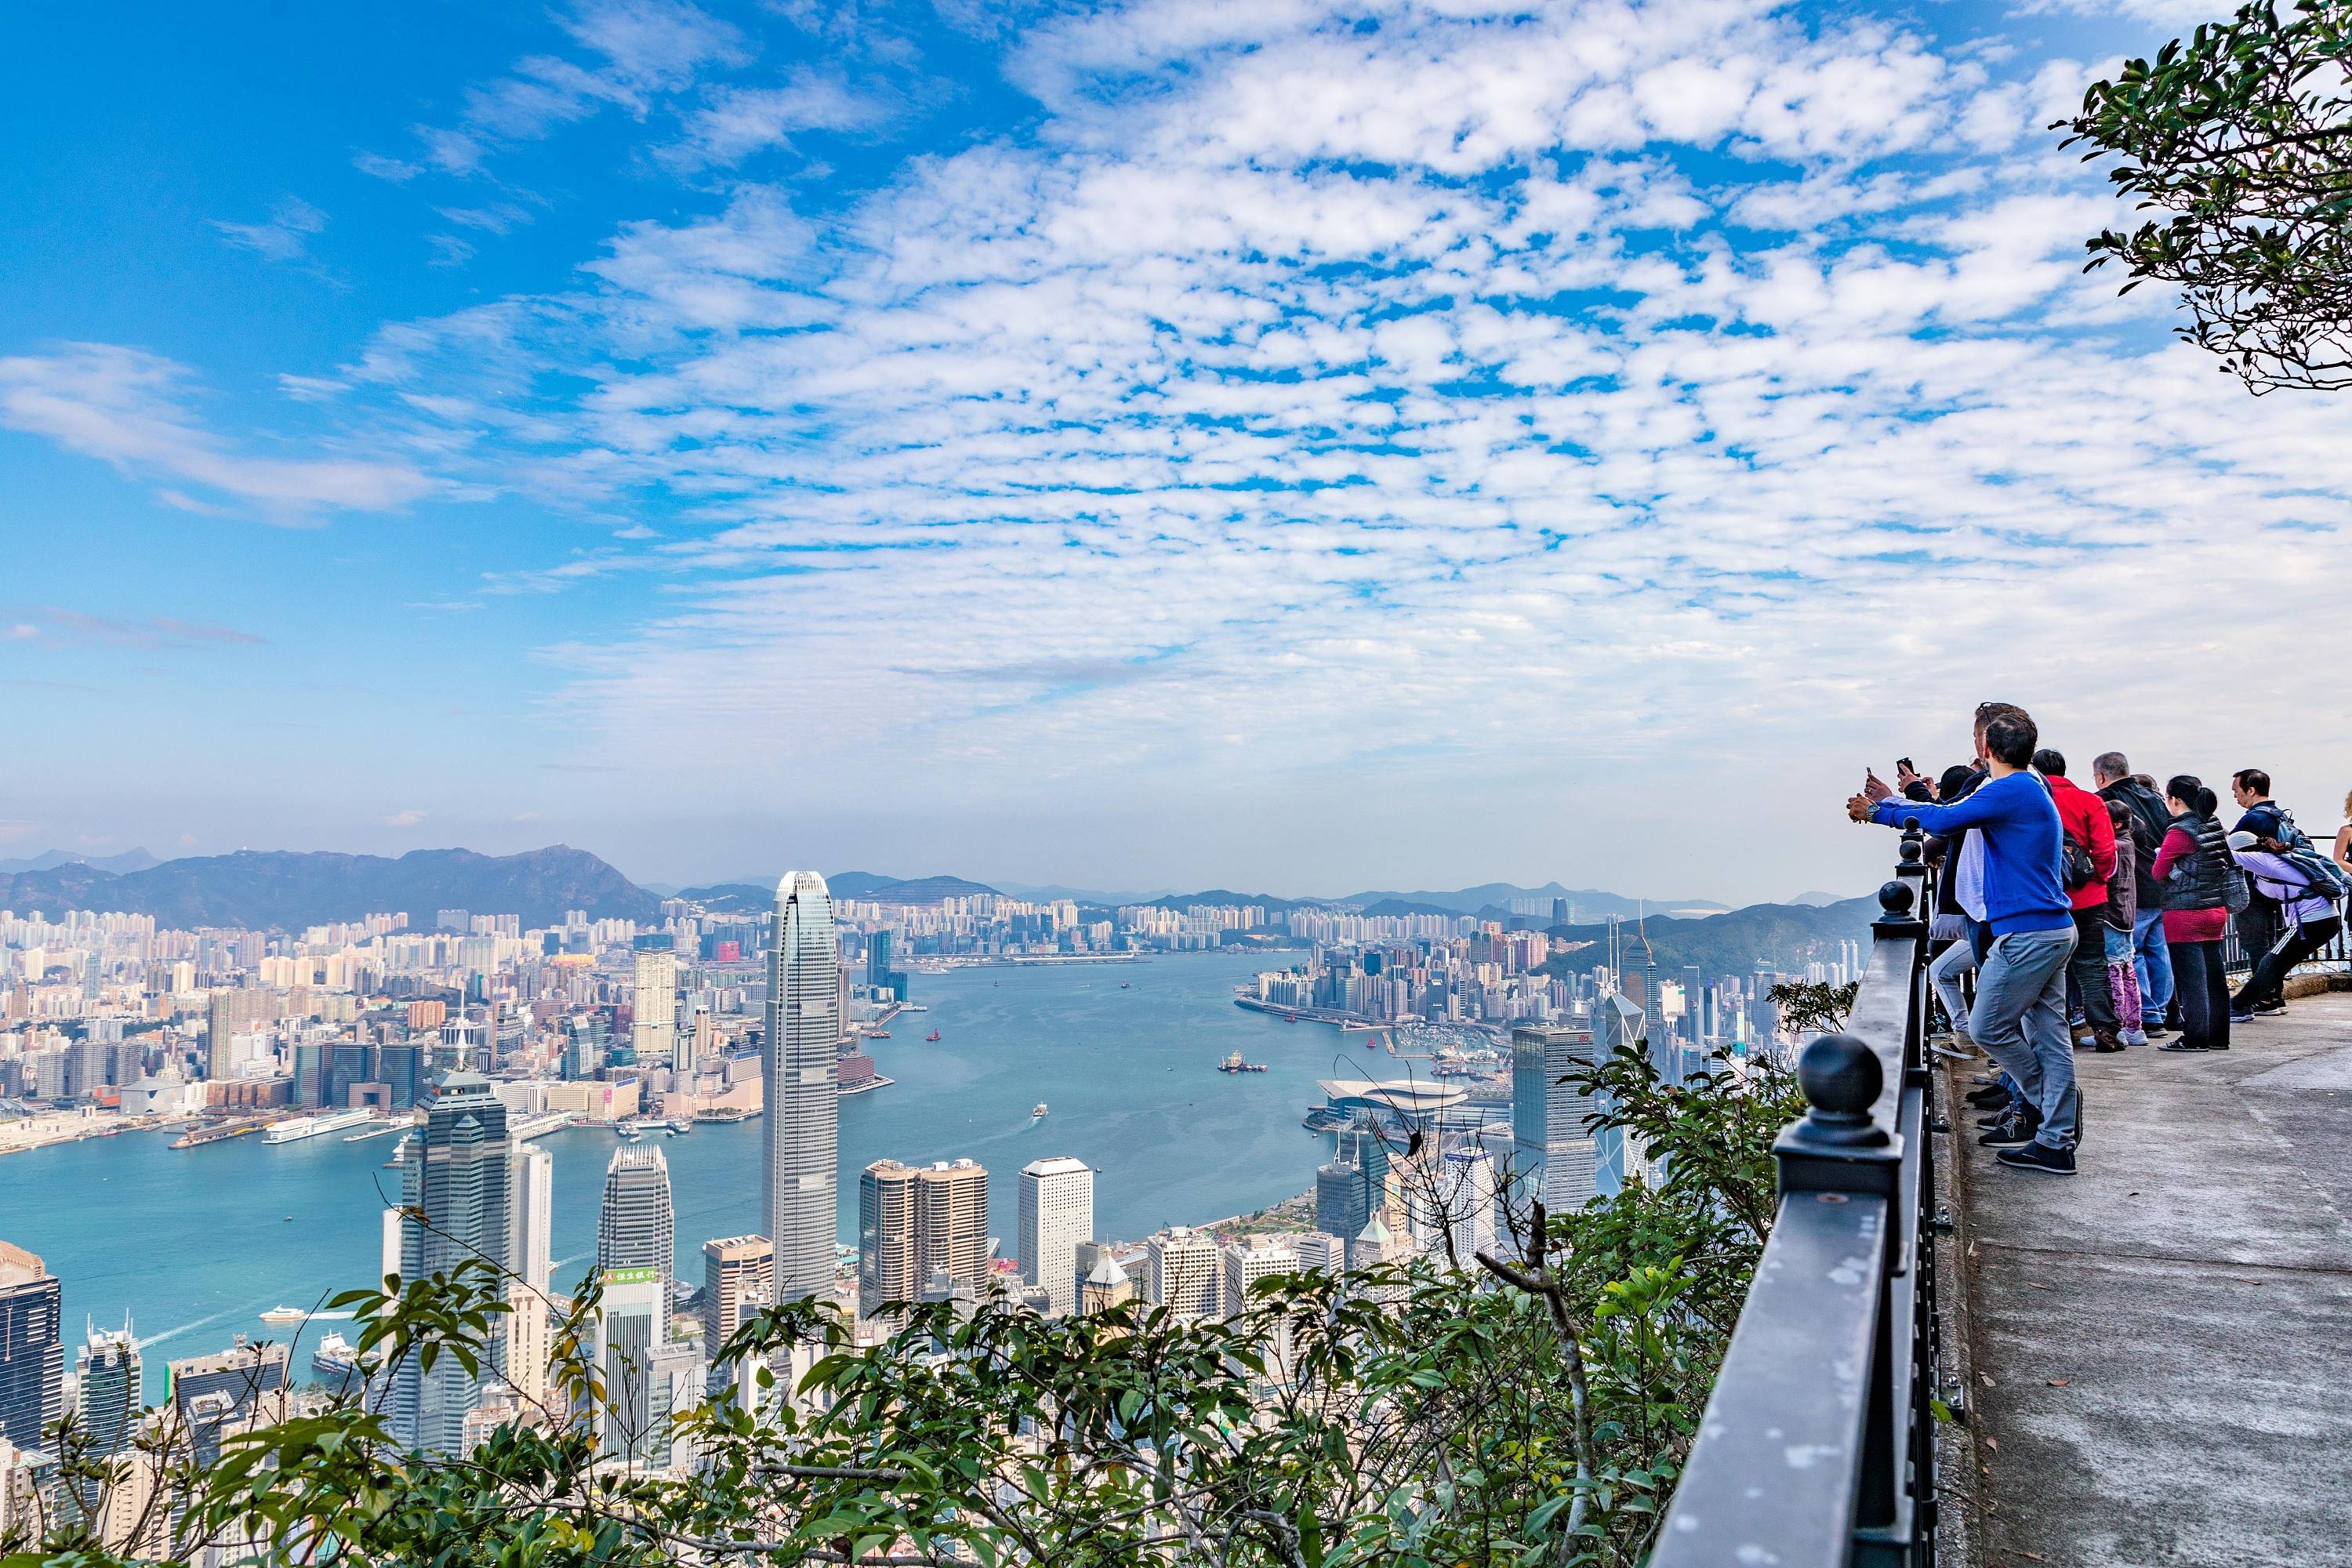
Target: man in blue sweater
[[2020, 1016]]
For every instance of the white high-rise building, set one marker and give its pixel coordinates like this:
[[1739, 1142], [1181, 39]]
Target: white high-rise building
[[802, 1127], [1058, 1212], [654, 1031], [530, 1225], [1465, 1206], [1181, 1272], [1246, 1263]]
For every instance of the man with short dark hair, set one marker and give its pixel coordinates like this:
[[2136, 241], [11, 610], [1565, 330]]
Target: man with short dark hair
[[2020, 1016], [2261, 924], [2151, 960]]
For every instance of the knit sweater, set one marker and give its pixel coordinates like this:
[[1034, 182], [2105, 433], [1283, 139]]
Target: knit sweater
[[2019, 827]]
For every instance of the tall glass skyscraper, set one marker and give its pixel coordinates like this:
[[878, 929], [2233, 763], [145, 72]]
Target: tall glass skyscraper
[[455, 1173], [32, 1347], [635, 1228], [802, 1127], [105, 1387]]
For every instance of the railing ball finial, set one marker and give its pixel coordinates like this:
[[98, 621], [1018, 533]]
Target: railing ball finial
[[1841, 1077], [1895, 900], [1914, 844]]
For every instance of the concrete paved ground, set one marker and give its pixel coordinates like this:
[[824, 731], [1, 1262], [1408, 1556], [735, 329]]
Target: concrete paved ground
[[2164, 1343]]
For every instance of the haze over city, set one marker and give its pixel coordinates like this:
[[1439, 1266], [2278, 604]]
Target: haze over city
[[1285, 447]]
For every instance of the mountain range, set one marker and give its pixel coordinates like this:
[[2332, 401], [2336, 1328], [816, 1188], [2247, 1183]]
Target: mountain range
[[292, 889], [1786, 936]]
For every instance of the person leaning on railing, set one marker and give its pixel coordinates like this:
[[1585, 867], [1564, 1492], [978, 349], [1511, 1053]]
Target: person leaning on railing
[[2194, 867], [2020, 1016], [2309, 924]]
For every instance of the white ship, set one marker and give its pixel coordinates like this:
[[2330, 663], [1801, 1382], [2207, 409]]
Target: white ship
[[1038, 1114], [314, 1126]]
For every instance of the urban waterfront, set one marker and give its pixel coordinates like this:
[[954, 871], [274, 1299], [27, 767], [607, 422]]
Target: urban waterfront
[[194, 1243]]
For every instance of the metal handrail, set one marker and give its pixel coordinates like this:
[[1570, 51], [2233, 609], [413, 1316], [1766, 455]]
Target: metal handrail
[[1817, 1449]]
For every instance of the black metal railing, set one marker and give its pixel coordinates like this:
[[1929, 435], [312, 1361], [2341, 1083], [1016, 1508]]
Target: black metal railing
[[2335, 957], [1817, 1447]]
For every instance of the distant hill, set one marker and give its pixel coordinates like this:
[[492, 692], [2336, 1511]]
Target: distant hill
[[291, 889], [1786, 936], [49, 859], [911, 890], [1492, 900], [1393, 908], [1817, 898], [732, 897]]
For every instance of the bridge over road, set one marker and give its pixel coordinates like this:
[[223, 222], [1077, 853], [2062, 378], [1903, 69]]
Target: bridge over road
[[2162, 1344]]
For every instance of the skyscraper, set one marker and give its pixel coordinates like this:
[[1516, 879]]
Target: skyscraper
[[32, 1348], [739, 1278], [653, 1029], [886, 1238], [455, 1174], [1182, 1272], [952, 1222], [1556, 1154], [105, 1387], [530, 1222], [1057, 1212], [632, 1329], [635, 1229], [802, 1128]]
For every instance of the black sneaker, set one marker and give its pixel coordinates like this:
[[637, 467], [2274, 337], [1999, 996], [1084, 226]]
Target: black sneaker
[[2155, 1029], [2040, 1157], [2270, 1009], [1989, 1096], [2182, 1044], [2015, 1132], [1992, 1119]]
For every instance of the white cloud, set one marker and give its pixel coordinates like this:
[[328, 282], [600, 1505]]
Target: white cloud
[[733, 122], [1480, 395], [285, 237], [126, 407], [409, 818]]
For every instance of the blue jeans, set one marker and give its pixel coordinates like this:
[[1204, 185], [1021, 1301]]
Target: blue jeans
[[2152, 960], [2019, 1019]]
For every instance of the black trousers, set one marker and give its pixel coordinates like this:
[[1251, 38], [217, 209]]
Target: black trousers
[[2259, 926], [2266, 986], [2087, 972], [2202, 988]]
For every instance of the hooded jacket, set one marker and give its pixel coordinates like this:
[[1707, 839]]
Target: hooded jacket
[[2084, 817]]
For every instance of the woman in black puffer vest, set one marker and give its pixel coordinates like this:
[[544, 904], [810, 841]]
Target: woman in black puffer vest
[[2194, 864]]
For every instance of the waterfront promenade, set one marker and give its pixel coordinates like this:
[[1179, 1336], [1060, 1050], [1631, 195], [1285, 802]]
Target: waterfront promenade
[[2159, 1343]]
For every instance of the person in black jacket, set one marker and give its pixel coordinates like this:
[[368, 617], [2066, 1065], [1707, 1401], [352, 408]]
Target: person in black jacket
[[2262, 922], [2151, 961]]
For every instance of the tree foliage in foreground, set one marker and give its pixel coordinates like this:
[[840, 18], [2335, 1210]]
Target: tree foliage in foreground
[[2242, 135], [1528, 1407]]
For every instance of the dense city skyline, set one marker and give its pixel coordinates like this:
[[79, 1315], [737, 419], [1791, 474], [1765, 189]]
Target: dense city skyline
[[1121, 447]]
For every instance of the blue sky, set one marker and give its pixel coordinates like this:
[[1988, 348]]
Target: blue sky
[[1280, 445]]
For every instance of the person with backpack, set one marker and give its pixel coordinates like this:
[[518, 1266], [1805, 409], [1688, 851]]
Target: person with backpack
[[2306, 889], [2202, 887], [2259, 923], [2151, 962], [2087, 861]]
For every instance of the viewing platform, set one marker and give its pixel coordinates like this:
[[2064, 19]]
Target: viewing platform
[[2159, 1343]]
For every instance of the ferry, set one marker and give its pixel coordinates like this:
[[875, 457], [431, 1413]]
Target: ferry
[[631, 1132], [1122, 986], [933, 1036], [1234, 1064], [679, 1127], [877, 1033], [1038, 1114], [327, 1121], [283, 1315]]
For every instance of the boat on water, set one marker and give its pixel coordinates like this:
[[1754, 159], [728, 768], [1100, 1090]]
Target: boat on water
[[631, 1132], [679, 1127], [1122, 986], [1235, 1063], [877, 1033], [283, 1315], [933, 1036], [1038, 1114]]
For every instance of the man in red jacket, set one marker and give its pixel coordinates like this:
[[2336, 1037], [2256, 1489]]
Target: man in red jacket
[[2085, 818]]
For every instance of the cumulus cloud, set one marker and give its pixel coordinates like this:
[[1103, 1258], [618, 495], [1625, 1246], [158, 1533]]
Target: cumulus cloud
[[408, 818], [1478, 392], [129, 408]]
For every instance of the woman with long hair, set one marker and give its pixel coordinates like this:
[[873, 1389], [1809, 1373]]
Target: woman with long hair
[[2194, 864]]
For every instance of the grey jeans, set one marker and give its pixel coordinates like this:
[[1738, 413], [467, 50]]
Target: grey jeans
[[1945, 974], [2019, 1019]]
